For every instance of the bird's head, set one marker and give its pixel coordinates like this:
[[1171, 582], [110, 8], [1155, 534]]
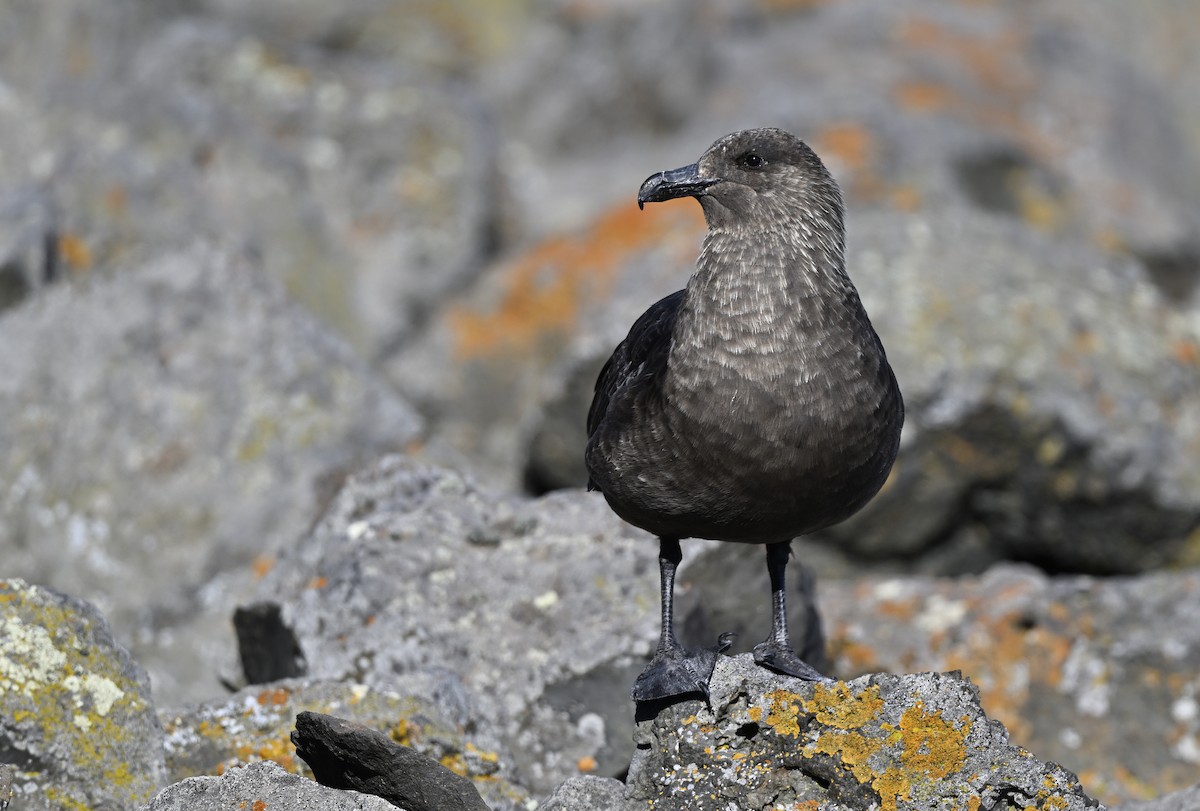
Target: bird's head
[[755, 178]]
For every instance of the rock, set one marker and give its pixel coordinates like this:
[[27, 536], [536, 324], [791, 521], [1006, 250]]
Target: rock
[[545, 609], [261, 785], [6, 785], [429, 713], [1186, 800], [346, 755], [893, 742], [587, 791], [167, 428], [1029, 367], [76, 717], [1023, 130], [1096, 674], [366, 182]]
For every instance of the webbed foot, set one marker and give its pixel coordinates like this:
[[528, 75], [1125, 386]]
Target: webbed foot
[[676, 671], [782, 659]]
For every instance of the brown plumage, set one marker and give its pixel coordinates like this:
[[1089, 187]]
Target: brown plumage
[[757, 404]]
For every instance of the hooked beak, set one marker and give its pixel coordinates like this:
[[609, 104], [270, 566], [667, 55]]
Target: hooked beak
[[682, 182]]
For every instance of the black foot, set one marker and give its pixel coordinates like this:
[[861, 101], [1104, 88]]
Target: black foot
[[677, 671], [784, 660]]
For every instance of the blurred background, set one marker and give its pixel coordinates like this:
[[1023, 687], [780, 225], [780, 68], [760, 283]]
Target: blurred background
[[246, 247]]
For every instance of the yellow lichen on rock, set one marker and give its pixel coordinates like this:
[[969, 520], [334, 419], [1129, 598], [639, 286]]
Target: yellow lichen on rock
[[838, 706]]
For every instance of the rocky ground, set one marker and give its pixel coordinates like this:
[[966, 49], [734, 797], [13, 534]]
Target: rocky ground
[[301, 306]]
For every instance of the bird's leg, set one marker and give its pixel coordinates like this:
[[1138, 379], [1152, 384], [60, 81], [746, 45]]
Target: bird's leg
[[776, 653], [674, 670]]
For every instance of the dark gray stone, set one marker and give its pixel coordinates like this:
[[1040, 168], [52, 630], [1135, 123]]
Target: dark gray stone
[[346, 755]]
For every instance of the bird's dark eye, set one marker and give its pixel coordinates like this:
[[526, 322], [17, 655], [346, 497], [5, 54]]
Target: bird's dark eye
[[752, 160]]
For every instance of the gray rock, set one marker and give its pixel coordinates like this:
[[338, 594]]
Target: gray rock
[[1020, 129], [1186, 800], [431, 713], [76, 717], [166, 425], [1050, 396], [587, 791], [1074, 667], [6, 785], [545, 609], [1050, 388], [366, 182], [264, 783], [896, 742]]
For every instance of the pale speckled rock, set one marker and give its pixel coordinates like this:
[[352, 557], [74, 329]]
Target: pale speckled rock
[[587, 792], [164, 425], [905, 743], [1186, 800], [366, 182], [261, 785], [545, 609], [76, 717], [429, 712]]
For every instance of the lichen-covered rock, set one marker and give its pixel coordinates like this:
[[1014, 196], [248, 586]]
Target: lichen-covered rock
[[427, 712], [897, 743], [76, 717], [261, 786], [1075, 668]]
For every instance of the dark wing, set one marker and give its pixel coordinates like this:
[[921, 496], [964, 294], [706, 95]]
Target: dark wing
[[642, 355]]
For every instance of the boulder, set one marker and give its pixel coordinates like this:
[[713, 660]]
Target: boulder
[[77, 722], [431, 714], [346, 755], [167, 427], [546, 610], [1096, 674], [1050, 389], [261, 785], [365, 181], [1185, 800], [918, 741]]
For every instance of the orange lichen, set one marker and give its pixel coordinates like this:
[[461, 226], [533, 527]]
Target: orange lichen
[[259, 805], [837, 706], [74, 252], [847, 141], [922, 96], [401, 732], [933, 746], [921, 750], [545, 289], [261, 565], [586, 764], [783, 714], [277, 697]]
